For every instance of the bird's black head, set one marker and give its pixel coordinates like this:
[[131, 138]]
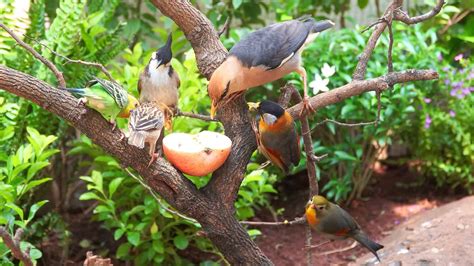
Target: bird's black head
[[270, 107], [164, 54]]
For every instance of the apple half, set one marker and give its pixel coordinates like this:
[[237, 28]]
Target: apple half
[[198, 154]]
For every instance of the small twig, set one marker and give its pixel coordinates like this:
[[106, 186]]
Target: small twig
[[158, 198], [197, 116], [81, 62], [308, 146], [51, 66], [298, 220], [353, 245], [455, 19], [225, 27], [373, 24], [390, 47], [402, 16], [319, 245], [378, 93], [309, 238], [14, 245], [327, 120]]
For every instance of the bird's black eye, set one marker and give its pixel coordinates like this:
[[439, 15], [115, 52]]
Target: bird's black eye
[[320, 207]]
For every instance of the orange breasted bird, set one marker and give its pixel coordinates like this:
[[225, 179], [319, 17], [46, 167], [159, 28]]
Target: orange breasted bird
[[159, 82], [333, 221], [276, 134], [264, 56], [145, 125]]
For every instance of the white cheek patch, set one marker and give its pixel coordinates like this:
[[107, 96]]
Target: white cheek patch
[[153, 55], [269, 119]]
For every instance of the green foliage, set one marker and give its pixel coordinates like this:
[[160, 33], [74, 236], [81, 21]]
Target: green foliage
[[20, 175], [442, 132]]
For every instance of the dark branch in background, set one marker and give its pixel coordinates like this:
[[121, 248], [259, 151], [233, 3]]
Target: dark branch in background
[[197, 116], [14, 245], [327, 120], [81, 62], [225, 27], [390, 47], [402, 16], [51, 66]]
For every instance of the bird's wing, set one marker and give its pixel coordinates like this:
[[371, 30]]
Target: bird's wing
[[146, 117], [273, 45], [117, 92], [338, 222]]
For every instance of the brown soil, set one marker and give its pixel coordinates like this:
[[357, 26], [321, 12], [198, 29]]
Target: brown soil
[[391, 200]]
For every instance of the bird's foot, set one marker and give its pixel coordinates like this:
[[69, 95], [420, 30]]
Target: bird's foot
[[122, 136], [307, 108], [169, 125], [153, 158], [82, 101], [114, 124]]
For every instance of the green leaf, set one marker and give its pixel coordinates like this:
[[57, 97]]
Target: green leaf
[[362, 3], [118, 233], [15, 208], [34, 208], [181, 242], [89, 196], [114, 185], [345, 156], [34, 168], [158, 246], [123, 250], [236, 3], [133, 238]]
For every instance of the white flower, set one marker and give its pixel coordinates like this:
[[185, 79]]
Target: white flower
[[319, 84], [328, 70]]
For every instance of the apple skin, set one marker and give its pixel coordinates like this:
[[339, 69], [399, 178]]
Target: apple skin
[[199, 154]]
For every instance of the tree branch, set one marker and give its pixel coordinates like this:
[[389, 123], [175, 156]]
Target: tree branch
[[51, 66], [197, 116], [402, 16], [298, 220], [357, 87], [14, 245]]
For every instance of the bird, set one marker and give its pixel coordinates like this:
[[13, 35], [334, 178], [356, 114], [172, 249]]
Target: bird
[[276, 135], [145, 125], [328, 218], [264, 56], [107, 97], [159, 82]]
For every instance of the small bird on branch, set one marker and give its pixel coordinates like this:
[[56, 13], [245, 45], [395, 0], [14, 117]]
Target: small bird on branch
[[276, 134], [264, 56], [328, 218]]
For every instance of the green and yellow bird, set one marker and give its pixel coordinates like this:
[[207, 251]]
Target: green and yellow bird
[[333, 221], [276, 134], [108, 98]]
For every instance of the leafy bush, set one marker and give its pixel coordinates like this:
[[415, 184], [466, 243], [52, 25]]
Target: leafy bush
[[441, 135]]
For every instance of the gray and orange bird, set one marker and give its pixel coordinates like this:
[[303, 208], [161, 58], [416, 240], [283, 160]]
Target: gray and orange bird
[[331, 220], [159, 82], [264, 56], [276, 134]]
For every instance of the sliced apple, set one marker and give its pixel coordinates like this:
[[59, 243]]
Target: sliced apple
[[199, 154]]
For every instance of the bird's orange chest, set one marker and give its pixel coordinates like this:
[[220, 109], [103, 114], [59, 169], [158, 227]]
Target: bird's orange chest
[[281, 123], [311, 216]]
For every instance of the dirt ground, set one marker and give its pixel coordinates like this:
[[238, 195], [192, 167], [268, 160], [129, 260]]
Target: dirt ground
[[442, 236], [390, 201]]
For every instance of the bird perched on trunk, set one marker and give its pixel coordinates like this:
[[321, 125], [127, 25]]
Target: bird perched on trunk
[[145, 125], [159, 82], [108, 98], [276, 134], [330, 219], [264, 56]]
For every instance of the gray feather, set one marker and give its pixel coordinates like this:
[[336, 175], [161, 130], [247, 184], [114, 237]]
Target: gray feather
[[271, 45], [137, 139]]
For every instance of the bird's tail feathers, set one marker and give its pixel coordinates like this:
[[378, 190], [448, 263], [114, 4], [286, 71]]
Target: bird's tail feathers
[[137, 139], [364, 240], [322, 25], [78, 92]]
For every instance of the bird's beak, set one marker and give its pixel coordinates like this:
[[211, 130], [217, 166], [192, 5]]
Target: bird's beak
[[159, 64], [213, 109], [253, 106]]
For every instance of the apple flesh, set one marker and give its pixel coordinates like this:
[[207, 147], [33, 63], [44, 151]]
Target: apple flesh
[[199, 154]]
